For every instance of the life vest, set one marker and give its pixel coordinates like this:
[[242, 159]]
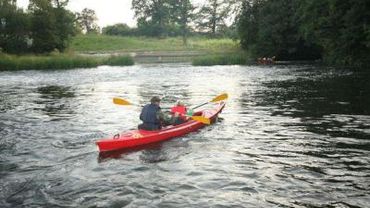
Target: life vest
[[149, 116], [179, 109]]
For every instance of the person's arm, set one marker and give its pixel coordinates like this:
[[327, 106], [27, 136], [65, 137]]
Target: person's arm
[[141, 115], [164, 117]]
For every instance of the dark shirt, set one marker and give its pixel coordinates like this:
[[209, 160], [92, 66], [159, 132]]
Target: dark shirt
[[150, 118]]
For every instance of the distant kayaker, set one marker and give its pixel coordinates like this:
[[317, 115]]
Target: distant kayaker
[[152, 116], [178, 113]]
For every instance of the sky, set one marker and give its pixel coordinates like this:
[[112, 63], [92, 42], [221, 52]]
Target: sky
[[109, 12]]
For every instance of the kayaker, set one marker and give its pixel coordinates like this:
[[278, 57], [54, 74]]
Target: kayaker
[[152, 116], [178, 113]]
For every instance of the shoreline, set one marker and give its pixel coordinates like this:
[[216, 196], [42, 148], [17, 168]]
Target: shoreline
[[150, 56], [117, 58], [59, 61]]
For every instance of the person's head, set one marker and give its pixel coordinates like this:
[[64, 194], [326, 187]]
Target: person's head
[[179, 103], [155, 100]]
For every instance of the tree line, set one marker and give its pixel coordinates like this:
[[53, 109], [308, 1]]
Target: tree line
[[162, 18], [333, 30], [46, 26]]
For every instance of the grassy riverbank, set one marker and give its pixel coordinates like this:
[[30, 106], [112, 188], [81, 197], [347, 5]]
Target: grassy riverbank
[[106, 44], [241, 58], [59, 61], [201, 51]]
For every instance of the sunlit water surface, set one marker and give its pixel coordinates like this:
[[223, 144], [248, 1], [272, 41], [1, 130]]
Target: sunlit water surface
[[290, 136]]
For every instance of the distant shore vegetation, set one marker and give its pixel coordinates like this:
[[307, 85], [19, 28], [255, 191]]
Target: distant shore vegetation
[[222, 59], [60, 61], [336, 32], [107, 43]]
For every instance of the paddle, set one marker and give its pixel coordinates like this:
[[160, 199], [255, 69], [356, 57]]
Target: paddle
[[216, 99], [120, 101], [201, 119]]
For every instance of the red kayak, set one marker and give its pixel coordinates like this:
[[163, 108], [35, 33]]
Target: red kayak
[[137, 138]]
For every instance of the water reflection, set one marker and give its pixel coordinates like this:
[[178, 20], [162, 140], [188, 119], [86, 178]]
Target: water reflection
[[56, 92], [147, 149], [327, 103], [292, 136], [56, 101]]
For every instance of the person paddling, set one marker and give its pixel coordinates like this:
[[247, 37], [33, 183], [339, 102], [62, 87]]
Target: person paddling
[[179, 112], [152, 116]]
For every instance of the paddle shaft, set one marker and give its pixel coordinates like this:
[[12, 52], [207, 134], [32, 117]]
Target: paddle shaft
[[198, 106], [216, 99], [121, 101]]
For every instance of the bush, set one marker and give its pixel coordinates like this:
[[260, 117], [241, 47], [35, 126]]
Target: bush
[[119, 29], [62, 61], [119, 61], [228, 59], [8, 62]]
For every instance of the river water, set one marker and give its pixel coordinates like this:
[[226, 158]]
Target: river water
[[290, 136]]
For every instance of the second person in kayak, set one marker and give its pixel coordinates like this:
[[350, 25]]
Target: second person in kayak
[[152, 116], [179, 112]]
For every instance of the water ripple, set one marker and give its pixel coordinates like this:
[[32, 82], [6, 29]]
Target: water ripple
[[290, 136]]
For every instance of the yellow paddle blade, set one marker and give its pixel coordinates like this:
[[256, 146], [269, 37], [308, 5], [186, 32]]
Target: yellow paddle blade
[[120, 101], [201, 119], [220, 97]]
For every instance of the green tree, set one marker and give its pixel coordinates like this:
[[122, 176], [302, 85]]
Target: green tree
[[248, 24], [65, 24], [341, 28], [271, 28], [337, 31], [87, 21], [118, 29], [52, 25], [43, 26], [213, 15], [14, 28], [182, 13], [153, 16]]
